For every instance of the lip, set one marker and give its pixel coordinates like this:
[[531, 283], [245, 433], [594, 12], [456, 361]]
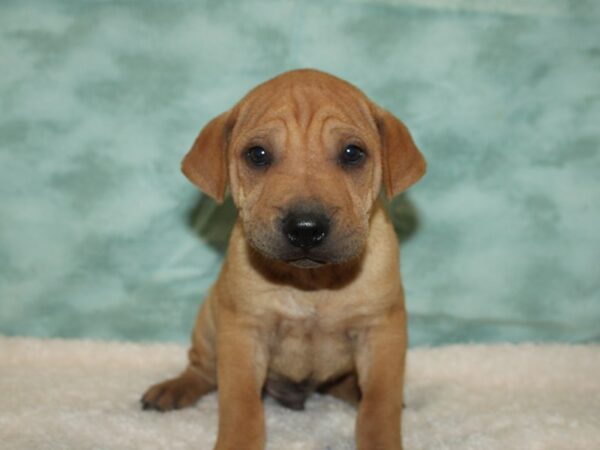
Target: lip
[[306, 263]]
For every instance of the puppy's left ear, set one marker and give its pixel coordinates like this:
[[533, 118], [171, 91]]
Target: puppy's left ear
[[205, 164], [403, 163]]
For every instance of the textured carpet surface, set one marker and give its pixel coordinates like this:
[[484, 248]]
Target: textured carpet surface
[[82, 394], [101, 236]]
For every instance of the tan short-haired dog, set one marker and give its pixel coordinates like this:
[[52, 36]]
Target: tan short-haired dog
[[309, 297]]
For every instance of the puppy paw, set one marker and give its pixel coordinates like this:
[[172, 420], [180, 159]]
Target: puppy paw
[[176, 393]]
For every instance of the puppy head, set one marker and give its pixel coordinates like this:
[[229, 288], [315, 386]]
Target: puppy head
[[305, 155]]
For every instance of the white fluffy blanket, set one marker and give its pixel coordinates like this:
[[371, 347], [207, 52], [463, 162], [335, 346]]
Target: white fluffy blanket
[[84, 395]]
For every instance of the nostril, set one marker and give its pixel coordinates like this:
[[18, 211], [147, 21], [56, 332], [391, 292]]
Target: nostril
[[305, 231], [318, 235]]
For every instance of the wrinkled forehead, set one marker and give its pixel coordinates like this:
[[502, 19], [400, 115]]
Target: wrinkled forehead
[[306, 107]]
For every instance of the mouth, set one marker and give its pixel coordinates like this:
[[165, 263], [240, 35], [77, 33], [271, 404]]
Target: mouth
[[306, 263]]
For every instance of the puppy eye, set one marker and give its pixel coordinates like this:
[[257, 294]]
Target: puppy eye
[[352, 155], [258, 157]]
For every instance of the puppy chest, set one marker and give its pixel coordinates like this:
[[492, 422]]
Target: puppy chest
[[299, 351]]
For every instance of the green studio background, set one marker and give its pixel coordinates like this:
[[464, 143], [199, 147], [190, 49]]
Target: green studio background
[[101, 236]]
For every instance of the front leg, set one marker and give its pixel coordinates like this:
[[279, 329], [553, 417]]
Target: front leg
[[198, 378], [380, 365], [241, 373]]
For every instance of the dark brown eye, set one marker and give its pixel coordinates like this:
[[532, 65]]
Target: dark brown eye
[[352, 156], [258, 157]]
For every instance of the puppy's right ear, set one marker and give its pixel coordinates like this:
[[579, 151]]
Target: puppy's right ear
[[205, 165]]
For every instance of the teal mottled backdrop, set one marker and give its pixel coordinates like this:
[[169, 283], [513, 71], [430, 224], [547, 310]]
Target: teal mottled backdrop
[[102, 237]]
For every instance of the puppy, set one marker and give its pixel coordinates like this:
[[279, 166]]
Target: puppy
[[309, 297]]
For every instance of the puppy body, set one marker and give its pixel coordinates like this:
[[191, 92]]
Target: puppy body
[[290, 319]]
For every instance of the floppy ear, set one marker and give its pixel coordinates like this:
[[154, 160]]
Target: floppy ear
[[205, 165], [403, 163]]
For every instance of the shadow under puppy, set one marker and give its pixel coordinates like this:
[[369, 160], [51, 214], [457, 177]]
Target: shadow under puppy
[[309, 296]]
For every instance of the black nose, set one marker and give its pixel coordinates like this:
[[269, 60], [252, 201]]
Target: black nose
[[305, 230]]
